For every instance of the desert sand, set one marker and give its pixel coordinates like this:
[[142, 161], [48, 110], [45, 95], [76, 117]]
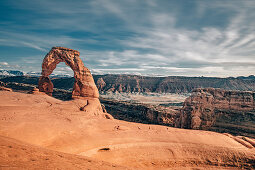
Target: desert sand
[[40, 132]]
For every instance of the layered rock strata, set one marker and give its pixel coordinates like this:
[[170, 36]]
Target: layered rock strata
[[3, 87], [219, 110], [134, 83], [142, 113], [84, 85], [171, 84]]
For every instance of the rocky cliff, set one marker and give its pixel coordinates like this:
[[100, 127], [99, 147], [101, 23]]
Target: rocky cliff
[[219, 110], [134, 83], [141, 113], [171, 84], [84, 88]]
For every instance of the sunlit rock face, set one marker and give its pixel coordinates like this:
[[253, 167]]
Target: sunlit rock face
[[84, 90], [219, 110], [84, 85]]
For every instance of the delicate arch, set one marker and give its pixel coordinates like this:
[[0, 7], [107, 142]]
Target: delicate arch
[[84, 85]]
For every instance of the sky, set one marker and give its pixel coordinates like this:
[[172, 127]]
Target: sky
[[213, 38]]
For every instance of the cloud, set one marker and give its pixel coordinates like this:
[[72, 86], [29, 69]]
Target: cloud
[[8, 66], [37, 41], [146, 37], [4, 63]]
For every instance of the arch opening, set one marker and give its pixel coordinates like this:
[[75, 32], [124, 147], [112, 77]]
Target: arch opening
[[62, 79], [62, 70]]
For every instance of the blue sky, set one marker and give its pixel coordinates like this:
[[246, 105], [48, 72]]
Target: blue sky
[[147, 37]]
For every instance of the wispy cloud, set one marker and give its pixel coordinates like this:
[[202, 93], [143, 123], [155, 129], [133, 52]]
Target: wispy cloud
[[146, 37], [4, 63]]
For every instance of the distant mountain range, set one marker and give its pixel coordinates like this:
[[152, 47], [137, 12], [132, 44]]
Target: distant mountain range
[[9, 73], [135, 83], [171, 84]]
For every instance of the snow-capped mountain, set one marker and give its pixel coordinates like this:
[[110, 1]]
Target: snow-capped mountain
[[34, 74], [11, 73]]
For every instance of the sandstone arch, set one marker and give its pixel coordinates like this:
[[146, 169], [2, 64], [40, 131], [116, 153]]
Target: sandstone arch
[[84, 85]]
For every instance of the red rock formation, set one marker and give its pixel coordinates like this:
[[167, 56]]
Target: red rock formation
[[100, 84], [2, 83], [210, 108], [141, 113], [84, 84], [171, 84], [3, 88], [35, 91]]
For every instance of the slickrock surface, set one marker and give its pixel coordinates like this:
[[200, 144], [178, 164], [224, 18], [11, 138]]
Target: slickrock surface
[[19, 155], [3, 88], [60, 126], [220, 110]]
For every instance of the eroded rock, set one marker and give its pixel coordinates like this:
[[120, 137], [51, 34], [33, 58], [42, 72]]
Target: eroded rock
[[84, 85], [3, 87], [219, 110]]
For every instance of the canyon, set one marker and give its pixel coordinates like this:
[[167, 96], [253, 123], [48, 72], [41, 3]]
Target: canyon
[[42, 127], [142, 84], [219, 110], [227, 112]]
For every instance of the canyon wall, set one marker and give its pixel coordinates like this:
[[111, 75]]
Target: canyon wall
[[171, 84], [141, 113], [134, 83], [219, 110]]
